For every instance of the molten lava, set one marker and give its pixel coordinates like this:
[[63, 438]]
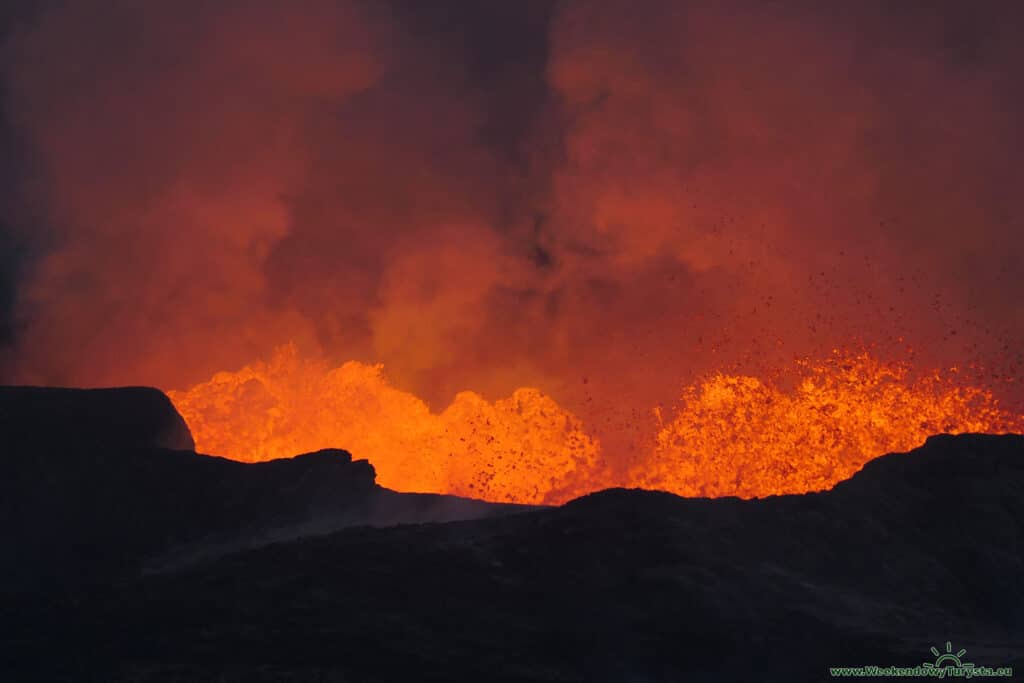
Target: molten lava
[[524, 448], [729, 434], [740, 436]]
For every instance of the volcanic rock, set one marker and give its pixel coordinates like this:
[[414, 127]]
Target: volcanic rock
[[130, 417], [102, 484], [916, 550]]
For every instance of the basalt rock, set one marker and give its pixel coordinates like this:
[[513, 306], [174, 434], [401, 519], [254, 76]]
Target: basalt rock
[[130, 417], [915, 550]]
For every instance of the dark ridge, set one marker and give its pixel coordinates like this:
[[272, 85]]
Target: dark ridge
[[147, 564], [129, 417], [102, 484]]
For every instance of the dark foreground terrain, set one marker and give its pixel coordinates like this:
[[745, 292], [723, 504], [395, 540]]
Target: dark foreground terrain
[[916, 550], [102, 484]]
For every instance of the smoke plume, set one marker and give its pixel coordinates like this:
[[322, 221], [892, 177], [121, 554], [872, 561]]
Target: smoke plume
[[604, 200]]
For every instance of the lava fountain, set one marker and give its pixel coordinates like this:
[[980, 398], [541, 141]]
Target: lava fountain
[[627, 206], [814, 425]]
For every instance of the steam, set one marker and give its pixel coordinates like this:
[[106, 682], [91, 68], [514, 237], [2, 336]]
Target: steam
[[697, 186]]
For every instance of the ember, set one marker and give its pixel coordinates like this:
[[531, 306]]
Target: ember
[[730, 434]]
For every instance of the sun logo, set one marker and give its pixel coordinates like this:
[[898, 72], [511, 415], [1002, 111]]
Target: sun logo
[[948, 659]]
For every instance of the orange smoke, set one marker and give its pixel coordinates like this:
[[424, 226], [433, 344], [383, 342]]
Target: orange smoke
[[604, 200], [729, 435]]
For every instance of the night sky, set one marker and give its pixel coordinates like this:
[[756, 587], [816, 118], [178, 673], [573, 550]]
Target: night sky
[[602, 199]]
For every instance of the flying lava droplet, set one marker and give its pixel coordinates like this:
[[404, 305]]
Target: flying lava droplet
[[728, 435]]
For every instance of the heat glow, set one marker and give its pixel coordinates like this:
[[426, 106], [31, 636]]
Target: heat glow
[[814, 425]]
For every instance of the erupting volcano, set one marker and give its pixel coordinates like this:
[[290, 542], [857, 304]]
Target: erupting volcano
[[491, 340], [729, 435], [524, 253]]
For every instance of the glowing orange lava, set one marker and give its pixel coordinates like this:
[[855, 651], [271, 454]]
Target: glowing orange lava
[[740, 436], [524, 448], [729, 434]]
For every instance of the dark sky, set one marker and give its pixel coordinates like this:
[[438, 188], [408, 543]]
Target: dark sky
[[487, 194]]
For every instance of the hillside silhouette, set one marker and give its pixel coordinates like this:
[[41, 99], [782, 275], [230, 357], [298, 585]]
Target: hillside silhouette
[[916, 549]]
